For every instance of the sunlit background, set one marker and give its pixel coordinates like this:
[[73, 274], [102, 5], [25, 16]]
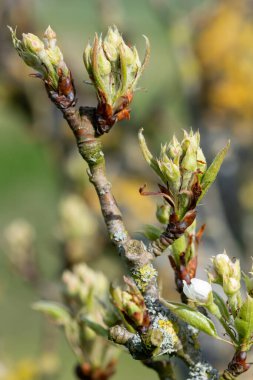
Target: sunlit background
[[200, 76]]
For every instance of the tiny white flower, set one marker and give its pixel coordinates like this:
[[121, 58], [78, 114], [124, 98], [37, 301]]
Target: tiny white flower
[[198, 290]]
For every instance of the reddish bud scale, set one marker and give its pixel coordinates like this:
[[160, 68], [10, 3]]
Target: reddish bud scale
[[238, 364], [107, 116], [65, 96]]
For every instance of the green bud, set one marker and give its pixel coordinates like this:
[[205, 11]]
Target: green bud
[[127, 54], [46, 58], [172, 173], [174, 149], [231, 285], [103, 63], [227, 273], [111, 43], [116, 294], [190, 146], [113, 37], [114, 69], [163, 213], [221, 263], [50, 38], [130, 303], [32, 43], [179, 167], [55, 56]]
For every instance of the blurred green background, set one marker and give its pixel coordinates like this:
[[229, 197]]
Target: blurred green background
[[200, 75]]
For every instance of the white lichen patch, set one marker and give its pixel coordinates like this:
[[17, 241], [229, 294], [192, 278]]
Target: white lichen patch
[[170, 339], [119, 236], [202, 371]]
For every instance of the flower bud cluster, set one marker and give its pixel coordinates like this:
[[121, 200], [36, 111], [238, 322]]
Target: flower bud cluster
[[183, 171], [114, 69], [226, 272], [46, 58], [180, 166], [85, 286], [131, 305]]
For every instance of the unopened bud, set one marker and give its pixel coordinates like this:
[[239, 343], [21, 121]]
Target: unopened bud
[[163, 213], [231, 285], [114, 68], [221, 263], [198, 290], [47, 59], [228, 273], [32, 43], [50, 38], [103, 63]]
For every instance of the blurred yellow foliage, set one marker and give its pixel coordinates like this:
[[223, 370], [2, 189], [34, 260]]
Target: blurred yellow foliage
[[224, 47], [31, 369], [23, 370]]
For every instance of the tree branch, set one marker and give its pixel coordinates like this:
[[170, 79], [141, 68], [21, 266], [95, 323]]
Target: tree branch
[[134, 252]]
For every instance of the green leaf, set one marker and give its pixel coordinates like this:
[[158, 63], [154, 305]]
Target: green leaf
[[211, 173], [244, 322], [148, 156], [192, 317], [57, 312], [98, 329], [221, 305], [151, 232]]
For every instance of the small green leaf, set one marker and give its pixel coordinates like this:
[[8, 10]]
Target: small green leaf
[[211, 173], [148, 156], [221, 305], [98, 329], [151, 232], [192, 317], [244, 321], [57, 312]]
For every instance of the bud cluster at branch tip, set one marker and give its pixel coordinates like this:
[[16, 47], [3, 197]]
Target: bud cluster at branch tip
[[182, 169], [46, 58], [114, 69]]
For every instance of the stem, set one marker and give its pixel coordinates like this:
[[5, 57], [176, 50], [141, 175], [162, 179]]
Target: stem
[[133, 251]]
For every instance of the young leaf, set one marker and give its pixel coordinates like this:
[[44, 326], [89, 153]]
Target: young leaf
[[98, 329], [244, 322], [57, 312], [221, 305], [151, 232], [192, 317], [211, 173], [148, 155]]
